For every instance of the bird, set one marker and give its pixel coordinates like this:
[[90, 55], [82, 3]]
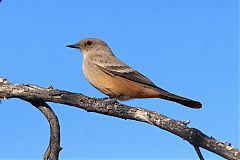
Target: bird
[[104, 71]]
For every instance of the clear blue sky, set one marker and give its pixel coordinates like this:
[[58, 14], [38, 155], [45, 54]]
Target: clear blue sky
[[187, 47]]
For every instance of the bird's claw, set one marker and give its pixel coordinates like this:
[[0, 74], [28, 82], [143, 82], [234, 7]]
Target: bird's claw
[[109, 100]]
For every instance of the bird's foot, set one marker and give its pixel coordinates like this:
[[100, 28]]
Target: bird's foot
[[109, 100]]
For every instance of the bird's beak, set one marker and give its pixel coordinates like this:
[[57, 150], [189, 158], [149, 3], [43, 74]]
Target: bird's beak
[[73, 46]]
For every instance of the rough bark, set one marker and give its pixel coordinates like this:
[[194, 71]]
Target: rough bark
[[110, 107]]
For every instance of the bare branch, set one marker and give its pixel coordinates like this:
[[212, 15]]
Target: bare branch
[[197, 149], [47, 153], [52, 152], [114, 108]]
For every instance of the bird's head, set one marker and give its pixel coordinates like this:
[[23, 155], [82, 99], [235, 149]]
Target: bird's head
[[91, 45]]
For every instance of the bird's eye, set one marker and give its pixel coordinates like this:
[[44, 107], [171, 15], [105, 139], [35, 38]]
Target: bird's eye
[[88, 43]]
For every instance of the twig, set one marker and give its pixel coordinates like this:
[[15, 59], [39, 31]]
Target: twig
[[47, 153], [197, 149]]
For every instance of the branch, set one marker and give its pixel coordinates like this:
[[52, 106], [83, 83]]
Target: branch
[[115, 109], [54, 148], [197, 149]]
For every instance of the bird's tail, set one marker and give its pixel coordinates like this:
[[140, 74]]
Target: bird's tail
[[181, 100]]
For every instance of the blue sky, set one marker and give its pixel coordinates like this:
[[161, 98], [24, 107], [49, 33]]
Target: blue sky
[[187, 47]]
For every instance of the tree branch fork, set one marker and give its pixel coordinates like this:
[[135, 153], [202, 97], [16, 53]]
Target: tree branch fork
[[38, 96]]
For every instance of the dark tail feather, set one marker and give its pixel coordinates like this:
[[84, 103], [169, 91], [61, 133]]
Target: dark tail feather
[[181, 100]]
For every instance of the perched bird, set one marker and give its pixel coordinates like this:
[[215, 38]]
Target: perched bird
[[116, 79]]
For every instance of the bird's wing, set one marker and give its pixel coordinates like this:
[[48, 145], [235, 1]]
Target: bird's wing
[[111, 65]]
